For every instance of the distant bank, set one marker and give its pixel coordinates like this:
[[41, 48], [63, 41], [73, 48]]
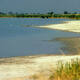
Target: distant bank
[[72, 16]]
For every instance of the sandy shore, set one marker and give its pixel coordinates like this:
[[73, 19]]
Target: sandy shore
[[20, 68], [73, 26]]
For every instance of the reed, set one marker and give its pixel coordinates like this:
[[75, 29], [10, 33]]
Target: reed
[[64, 71], [67, 71]]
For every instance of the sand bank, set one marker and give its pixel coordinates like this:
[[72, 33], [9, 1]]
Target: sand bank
[[19, 68], [73, 26]]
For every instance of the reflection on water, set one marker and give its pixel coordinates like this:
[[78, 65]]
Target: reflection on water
[[70, 45]]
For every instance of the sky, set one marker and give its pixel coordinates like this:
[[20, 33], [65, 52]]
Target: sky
[[39, 6]]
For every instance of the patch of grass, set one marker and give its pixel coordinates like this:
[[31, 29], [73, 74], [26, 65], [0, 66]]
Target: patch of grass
[[64, 71], [67, 71]]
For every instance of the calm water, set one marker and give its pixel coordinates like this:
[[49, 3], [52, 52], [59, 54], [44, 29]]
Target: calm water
[[18, 40]]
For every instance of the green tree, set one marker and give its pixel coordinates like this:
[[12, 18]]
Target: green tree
[[65, 12], [51, 13]]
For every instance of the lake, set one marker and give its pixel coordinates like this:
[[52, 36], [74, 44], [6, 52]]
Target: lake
[[18, 40]]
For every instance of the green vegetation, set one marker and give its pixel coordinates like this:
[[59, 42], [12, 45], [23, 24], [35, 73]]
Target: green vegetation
[[38, 15], [68, 71], [64, 71]]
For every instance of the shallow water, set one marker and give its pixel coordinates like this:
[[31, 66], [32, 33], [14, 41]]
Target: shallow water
[[18, 40], [71, 45]]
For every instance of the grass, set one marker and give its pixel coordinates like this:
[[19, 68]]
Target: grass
[[67, 71], [64, 71]]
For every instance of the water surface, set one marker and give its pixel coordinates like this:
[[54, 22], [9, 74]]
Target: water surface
[[18, 40]]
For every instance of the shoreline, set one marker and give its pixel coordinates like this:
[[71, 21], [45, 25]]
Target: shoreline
[[41, 17], [70, 26], [23, 67], [45, 18]]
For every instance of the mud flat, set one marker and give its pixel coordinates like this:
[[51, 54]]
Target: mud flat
[[20, 68]]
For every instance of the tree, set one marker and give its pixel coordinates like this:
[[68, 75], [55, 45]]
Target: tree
[[65, 12], [75, 13], [11, 13], [2, 13], [51, 13]]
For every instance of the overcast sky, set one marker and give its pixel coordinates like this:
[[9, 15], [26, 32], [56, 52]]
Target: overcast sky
[[39, 5]]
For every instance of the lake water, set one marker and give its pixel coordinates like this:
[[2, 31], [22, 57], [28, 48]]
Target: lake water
[[18, 40]]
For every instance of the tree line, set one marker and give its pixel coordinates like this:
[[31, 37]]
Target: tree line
[[51, 14]]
